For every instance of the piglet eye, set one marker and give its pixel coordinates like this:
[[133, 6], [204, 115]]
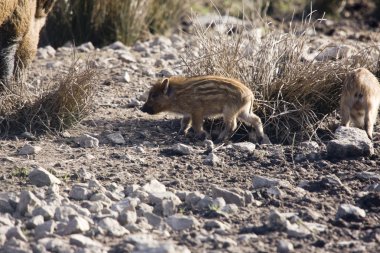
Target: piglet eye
[[155, 95]]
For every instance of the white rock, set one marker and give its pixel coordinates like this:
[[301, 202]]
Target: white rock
[[153, 219], [154, 187], [5, 206], [41, 177], [29, 149], [127, 57], [333, 52], [87, 141], [349, 142], [204, 204], [84, 241], [348, 211], [16, 232], [117, 45], [6, 220], [193, 198], [244, 146], [127, 77], [368, 175], [52, 244], [86, 47], [62, 213], [28, 202], [212, 159], [164, 202], [112, 227], [47, 211], [229, 196], [277, 220], [101, 197], [182, 149], [247, 238], [45, 229], [116, 138], [296, 230], [284, 246], [79, 192], [181, 222], [264, 182], [275, 191], [218, 203], [127, 217], [76, 225], [35, 221]]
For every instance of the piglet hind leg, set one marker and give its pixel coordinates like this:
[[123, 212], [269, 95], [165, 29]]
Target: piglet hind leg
[[369, 121]]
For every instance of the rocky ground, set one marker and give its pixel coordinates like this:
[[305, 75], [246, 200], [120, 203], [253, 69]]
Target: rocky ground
[[125, 181]]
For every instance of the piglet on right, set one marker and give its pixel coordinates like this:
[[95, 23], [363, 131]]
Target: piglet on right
[[360, 100]]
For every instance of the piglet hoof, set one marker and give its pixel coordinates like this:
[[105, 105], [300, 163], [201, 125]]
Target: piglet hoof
[[202, 136], [264, 140], [183, 132]]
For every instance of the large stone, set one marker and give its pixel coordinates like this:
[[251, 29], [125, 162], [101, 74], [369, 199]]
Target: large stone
[[87, 141], [116, 138], [84, 241], [350, 212], [154, 187], [193, 198], [29, 149], [28, 201], [181, 222], [76, 225], [212, 159], [5, 206], [45, 229], [127, 216], [182, 149], [153, 219], [244, 146], [16, 232], [41, 177], [284, 246], [55, 244], [79, 192], [264, 182], [34, 221], [229, 196], [164, 202], [349, 142], [334, 52], [112, 227], [47, 211], [62, 213]]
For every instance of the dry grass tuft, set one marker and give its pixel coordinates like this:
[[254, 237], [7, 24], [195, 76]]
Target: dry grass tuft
[[66, 104], [294, 95]]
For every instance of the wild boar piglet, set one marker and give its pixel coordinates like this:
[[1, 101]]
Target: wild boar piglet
[[360, 100], [203, 96]]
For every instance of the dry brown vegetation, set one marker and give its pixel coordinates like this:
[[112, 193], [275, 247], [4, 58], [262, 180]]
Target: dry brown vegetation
[[295, 96], [58, 106], [103, 22]]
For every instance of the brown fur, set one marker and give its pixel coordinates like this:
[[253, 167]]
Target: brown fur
[[20, 25], [203, 96], [360, 100]]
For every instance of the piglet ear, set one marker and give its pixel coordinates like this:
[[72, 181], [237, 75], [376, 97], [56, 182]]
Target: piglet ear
[[165, 84]]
